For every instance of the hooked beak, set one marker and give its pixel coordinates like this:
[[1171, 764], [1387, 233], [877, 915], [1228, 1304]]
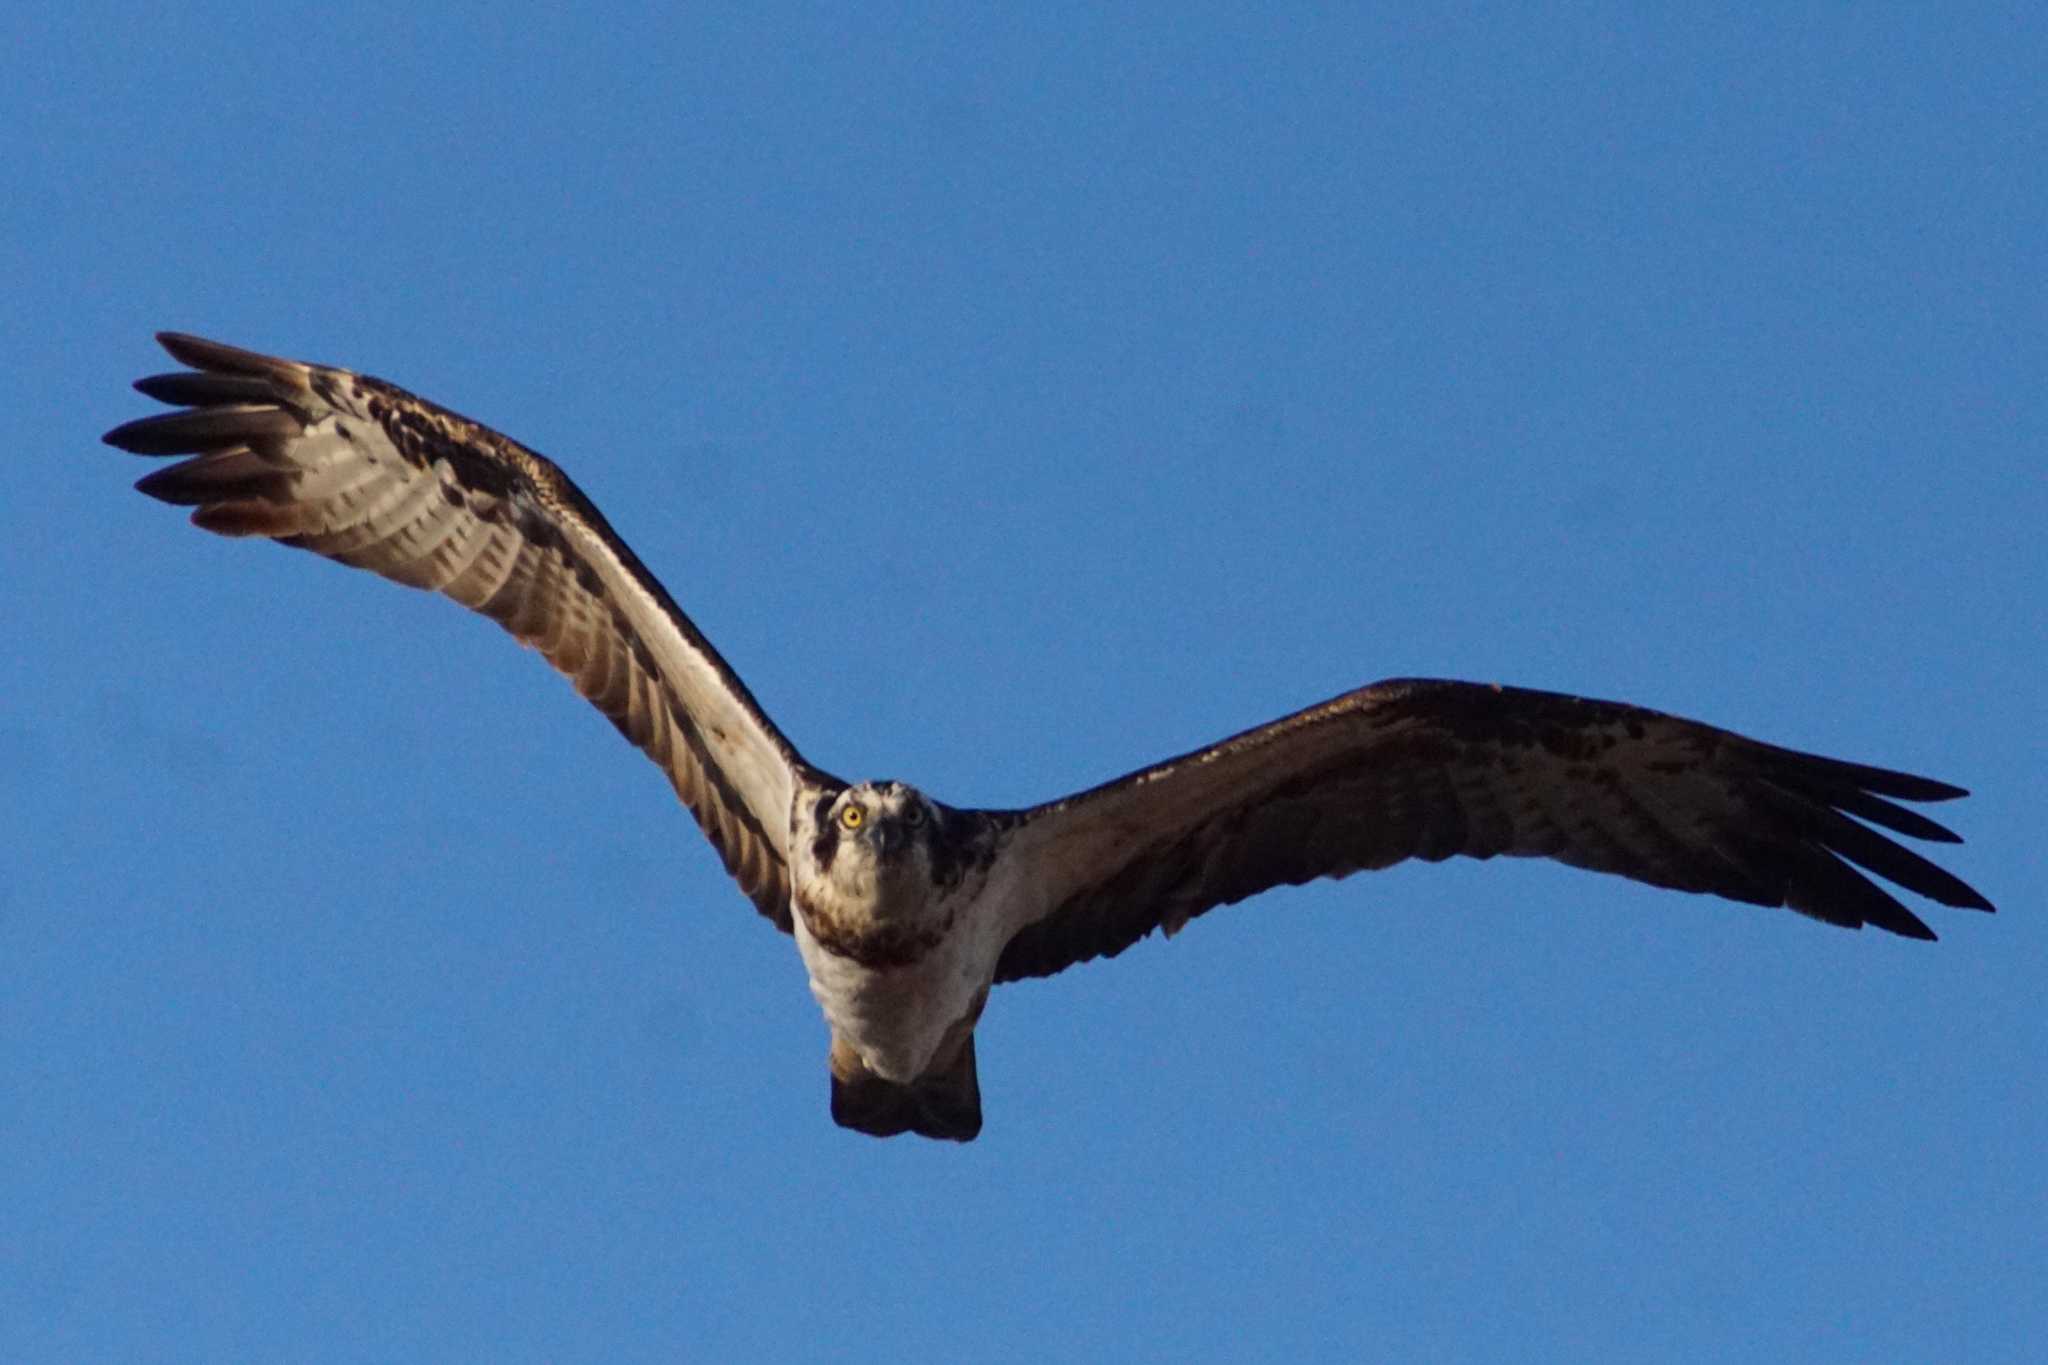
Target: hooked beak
[[886, 836]]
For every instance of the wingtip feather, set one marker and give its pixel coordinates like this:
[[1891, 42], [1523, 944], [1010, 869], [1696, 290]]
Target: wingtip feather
[[217, 356]]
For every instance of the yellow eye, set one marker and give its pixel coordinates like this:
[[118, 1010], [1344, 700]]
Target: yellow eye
[[851, 817]]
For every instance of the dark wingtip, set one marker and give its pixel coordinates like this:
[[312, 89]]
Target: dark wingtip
[[202, 388], [131, 437], [162, 484], [1976, 900], [216, 356], [1900, 786], [1940, 791], [184, 346], [202, 429]]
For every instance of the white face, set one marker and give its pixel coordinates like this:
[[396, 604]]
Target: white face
[[873, 844]]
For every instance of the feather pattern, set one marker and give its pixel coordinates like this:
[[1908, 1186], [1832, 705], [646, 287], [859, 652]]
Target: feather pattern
[[362, 472], [906, 910], [1431, 770]]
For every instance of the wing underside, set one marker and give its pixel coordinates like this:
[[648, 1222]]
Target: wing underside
[[1432, 770], [362, 472]]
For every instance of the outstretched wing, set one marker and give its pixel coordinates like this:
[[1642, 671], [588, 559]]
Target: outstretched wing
[[1424, 769], [363, 472]]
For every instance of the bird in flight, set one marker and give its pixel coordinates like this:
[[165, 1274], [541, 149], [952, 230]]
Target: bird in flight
[[906, 910]]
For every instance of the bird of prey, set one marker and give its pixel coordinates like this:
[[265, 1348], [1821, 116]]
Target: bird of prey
[[907, 910]]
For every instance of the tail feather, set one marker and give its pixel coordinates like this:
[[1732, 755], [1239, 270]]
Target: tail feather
[[945, 1102]]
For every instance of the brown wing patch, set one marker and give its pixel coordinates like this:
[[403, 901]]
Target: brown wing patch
[[1432, 770], [360, 471]]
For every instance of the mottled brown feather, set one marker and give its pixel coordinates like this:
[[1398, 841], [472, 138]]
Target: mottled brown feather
[[360, 471], [1431, 770]]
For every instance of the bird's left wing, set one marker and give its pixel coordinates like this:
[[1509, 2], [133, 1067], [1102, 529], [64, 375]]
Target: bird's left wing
[[1430, 770], [363, 472]]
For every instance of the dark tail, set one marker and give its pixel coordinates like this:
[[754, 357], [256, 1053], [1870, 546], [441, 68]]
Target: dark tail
[[945, 1102]]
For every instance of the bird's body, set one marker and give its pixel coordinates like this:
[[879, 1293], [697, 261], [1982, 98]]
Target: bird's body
[[896, 954], [906, 911]]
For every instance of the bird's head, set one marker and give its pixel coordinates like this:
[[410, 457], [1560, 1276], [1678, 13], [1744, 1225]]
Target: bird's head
[[875, 842]]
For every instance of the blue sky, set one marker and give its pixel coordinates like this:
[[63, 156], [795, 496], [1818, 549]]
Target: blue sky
[[1016, 399]]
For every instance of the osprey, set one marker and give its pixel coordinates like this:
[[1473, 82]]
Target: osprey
[[907, 910]]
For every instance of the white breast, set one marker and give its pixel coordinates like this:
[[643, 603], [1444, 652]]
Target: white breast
[[895, 1017]]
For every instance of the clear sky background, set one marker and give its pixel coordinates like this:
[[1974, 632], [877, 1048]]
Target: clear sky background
[[1016, 398]]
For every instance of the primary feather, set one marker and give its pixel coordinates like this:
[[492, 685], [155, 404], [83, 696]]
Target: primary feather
[[905, 910]]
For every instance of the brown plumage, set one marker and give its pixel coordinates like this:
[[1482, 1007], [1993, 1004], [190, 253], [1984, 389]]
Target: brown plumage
[[906, 911], [1416, 768], [363, 472]]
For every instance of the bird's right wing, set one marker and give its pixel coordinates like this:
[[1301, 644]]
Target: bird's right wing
[[363, 472]]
